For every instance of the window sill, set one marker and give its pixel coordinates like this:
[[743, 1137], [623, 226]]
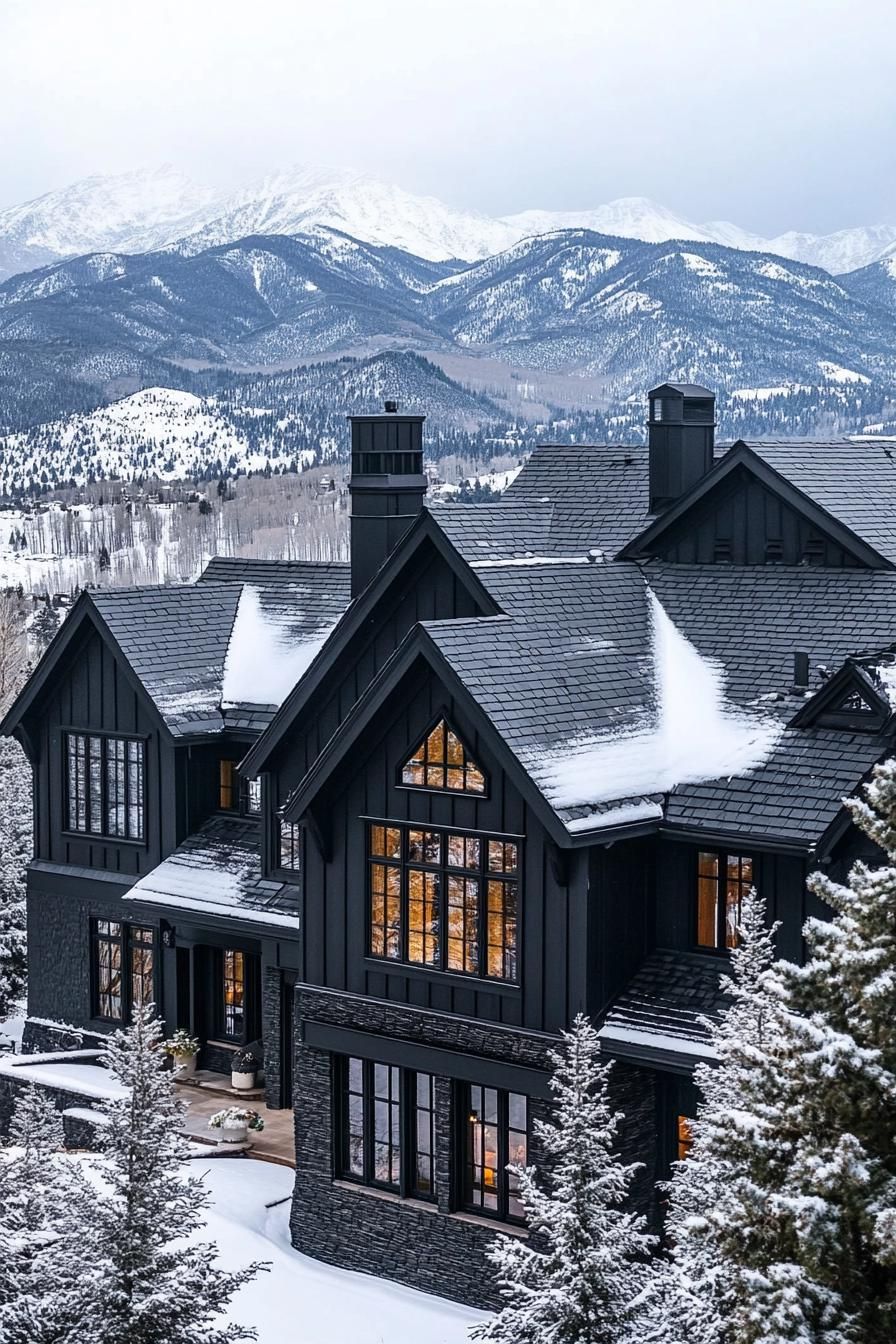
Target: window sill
[[414, 972], [95, 838], [426, 1206]]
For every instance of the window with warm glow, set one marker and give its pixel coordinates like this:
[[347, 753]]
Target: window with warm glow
[[386, 1125], [233, 1018], [497, 1135], [722, 881], [444, 899], [228, 786], [684, 1137], [441, 762]]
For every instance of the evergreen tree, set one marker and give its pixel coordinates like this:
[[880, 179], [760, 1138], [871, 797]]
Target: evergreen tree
[[693, 1296], [139, 1281], [44, 626], [594, 1257], [32, 1205]]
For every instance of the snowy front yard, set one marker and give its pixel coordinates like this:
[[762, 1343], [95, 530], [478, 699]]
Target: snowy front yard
[[300, 1299]]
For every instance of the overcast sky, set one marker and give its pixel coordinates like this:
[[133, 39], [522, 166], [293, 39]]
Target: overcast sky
[[775, 113]]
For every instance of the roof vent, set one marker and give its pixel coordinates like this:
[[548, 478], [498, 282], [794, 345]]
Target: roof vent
[[390, 407], [800, 671]]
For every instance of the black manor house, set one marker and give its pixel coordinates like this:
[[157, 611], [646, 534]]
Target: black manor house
[[396, 821]]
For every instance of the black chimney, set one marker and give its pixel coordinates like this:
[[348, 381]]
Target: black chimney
[[681, 435], [387, 486]]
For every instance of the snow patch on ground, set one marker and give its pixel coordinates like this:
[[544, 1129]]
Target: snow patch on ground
[[262, 664], [835, 373], [249, 1220], [694, 734], [87, 1079]]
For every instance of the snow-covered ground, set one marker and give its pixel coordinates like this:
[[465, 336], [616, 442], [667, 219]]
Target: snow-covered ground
[[300, 1299]]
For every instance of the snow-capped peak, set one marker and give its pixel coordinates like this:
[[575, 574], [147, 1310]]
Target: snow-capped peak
[[627, 217]]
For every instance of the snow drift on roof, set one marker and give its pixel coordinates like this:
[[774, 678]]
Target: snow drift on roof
[[264, 660], [693, 734]]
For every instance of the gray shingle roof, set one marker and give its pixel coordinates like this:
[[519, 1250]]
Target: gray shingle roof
[[176, 638], [661, 1005], [217, 872], [854, 482]]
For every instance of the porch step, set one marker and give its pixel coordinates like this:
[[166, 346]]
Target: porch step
[[219, 1085]]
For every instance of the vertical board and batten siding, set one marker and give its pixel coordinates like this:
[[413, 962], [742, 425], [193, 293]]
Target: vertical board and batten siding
[[780, 879], [435, 592], [745, 520], [96, 694], [621, 926], [552, 918]]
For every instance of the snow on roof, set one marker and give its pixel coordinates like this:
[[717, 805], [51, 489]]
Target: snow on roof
[[264, 658], [692, 734]]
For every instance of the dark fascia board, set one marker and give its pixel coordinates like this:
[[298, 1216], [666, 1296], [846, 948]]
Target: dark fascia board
[[224, 924], [665, 1061], [741, 455], [417, 646], [84, 613], [701, 835], [424, 529], [837, 828], [835, 688]]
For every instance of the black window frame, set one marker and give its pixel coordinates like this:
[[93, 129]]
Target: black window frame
[[720, 947], [453, 882], [401, 1100], [231, 789], [96, 746], [468, 1111], [249, 789], [221, 1005], [411, 759], [289, 858], [130, 939]]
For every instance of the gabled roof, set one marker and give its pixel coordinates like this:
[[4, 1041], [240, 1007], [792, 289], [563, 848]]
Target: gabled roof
[[217, 873], [175, 640], [399, 566], [853, 694], [854, 482], [847, 494]]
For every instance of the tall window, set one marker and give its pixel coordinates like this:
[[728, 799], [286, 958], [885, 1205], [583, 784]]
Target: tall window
[[123, 965], [105, 785], [233, 988], [290, 846], [497, 1128], [722, 881], [441, 762], [228, 786], [444, 900], [252, 797], [684, 1137], [386, 1121]]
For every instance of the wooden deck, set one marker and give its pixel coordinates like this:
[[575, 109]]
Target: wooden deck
[[275, 1143]]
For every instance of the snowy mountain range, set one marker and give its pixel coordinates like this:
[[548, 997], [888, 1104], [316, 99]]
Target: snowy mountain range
[[148, 211]]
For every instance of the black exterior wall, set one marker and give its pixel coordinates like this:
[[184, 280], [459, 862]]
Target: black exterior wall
[[433, 1247]]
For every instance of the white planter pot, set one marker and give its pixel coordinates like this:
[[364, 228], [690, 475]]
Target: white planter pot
[[242, 1082], [233, 1133], [185, 1066]]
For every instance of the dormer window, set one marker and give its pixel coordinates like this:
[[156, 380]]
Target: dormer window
[[441, 761], [656, 408]]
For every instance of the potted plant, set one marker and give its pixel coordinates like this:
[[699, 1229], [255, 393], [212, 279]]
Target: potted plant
[[183, 1049], [243, 1069], [234, 1123]]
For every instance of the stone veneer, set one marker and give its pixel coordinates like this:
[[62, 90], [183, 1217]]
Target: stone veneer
[[429, 1246]]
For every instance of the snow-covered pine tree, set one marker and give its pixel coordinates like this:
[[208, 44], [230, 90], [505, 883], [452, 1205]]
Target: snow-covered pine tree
[[15, 828], [140, 1280], [693, 1295], [32, 1204], [834, 1216], [594, 1256]]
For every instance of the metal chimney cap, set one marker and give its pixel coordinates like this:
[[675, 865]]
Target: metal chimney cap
[[390, 407]]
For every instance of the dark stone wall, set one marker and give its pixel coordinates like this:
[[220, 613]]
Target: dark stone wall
[[429, 1246], [59, 953], [62, 1099], [633, 1091], [271, 1006]]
